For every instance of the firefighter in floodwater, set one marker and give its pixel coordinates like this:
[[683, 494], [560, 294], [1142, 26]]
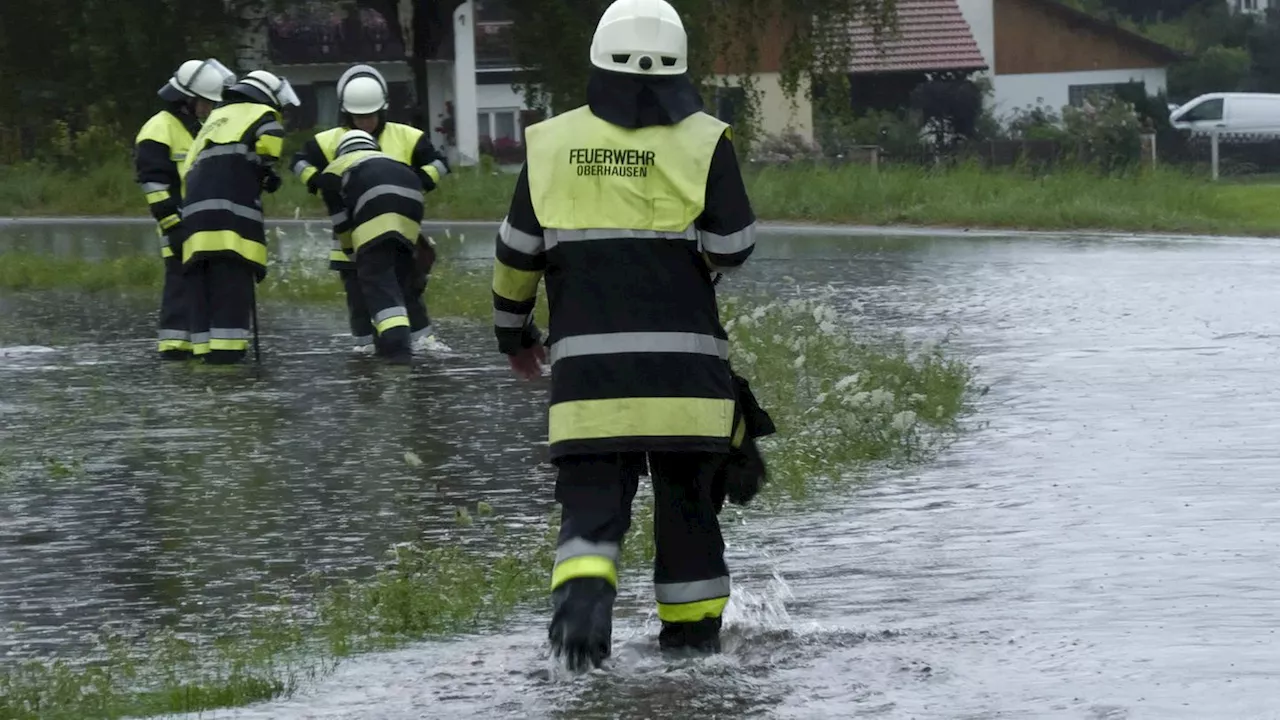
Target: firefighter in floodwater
[[160, 146], [363, 100], [629, 206], [382, 197], [223, 238]]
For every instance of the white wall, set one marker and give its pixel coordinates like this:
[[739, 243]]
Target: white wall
[[778, 114], [1013, 92]]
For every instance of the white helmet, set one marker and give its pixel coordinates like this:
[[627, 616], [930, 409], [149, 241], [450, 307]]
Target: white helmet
[[362, 91], [641, 37], [198, 78], [276, 90], [353, 140]]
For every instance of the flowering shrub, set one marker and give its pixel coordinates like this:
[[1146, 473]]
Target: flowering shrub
[[1108, 130], [837, 401]]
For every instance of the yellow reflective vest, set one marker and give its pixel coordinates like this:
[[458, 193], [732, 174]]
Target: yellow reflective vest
[[608, 216]]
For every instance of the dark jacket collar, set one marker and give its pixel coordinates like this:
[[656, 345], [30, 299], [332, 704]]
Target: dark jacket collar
[[632, 101]]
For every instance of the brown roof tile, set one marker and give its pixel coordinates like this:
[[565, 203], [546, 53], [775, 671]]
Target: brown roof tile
[[931, 35]]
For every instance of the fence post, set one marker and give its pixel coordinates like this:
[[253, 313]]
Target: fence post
[[1213, 152]]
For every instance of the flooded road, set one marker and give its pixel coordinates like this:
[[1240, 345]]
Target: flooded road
[[1103, 545]]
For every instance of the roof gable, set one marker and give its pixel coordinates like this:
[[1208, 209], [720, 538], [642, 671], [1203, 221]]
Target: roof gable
[[931, 35]]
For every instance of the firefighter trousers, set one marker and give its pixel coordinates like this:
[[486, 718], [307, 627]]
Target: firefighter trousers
[[220, 293], [174, 337], [358, 316], [385, 280], [691, 579]]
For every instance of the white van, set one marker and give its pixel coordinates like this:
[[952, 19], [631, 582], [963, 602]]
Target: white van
[[1230, 113]]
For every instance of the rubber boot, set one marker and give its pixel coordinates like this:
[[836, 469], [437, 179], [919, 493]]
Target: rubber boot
[[175, 355], [393, 346], [701, 637], [581, 628]]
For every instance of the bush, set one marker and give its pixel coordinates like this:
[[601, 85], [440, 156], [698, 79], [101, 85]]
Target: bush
[[1107, 131]]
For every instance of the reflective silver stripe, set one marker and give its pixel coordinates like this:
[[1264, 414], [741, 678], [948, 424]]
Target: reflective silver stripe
[[577, 547], [687, 592], [509, 320], [397, 311], [338, 217], [518, 240], [439, 165], [229, 334], [379, 190], [554, 236], [362, 339], [154, 187], [728, 244], [205, 205], [638, 342], [200, 338], [174, 335], [268, 127], [216, 150], [301, 165], [425, 332]]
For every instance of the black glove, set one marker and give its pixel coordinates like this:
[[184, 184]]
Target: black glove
[[325, 183], [270, 180], [744, 472]]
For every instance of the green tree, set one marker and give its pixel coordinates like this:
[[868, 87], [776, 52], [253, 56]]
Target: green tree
[[1218, 69], [727, 41]]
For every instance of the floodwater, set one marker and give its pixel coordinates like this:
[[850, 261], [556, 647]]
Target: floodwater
[[1102, 545]]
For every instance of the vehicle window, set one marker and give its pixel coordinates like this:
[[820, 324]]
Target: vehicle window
[[1207, 110]]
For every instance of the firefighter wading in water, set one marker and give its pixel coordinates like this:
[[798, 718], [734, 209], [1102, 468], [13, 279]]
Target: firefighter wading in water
[[363, 102], [383, 199], [223, 238], [629, 206], [161, 145]]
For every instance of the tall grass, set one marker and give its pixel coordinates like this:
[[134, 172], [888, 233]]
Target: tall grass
[[967, 196], [841, 398]]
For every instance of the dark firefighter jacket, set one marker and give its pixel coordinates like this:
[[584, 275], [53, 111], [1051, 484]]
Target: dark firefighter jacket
[[405, 143], [161, 145], [627, 220], [382, 197], [222, 183]]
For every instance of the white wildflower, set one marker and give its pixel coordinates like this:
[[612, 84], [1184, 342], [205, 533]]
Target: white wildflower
[[860, 399], [758, 313], [798, 363], [826, 327], [881, 397], [904, 421], [778, 340], [847, 381], [822, 397], [745, 321]]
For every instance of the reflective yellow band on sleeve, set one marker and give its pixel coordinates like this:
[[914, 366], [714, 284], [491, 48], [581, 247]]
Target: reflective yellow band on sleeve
[[515, 285], [169, 221], [307, 173], [432, 172], [269, 145], [157, 196]]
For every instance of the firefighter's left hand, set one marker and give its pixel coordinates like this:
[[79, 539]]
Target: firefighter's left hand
[[527, 364], [270, 180]]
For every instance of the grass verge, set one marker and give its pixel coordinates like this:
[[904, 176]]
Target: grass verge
[[841, 402], [1160, 201]]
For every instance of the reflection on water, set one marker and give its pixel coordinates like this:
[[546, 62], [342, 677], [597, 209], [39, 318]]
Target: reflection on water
[[1103, 548]]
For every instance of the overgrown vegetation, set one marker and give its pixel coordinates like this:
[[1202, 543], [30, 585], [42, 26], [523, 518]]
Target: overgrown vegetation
[[843, 400], [804, 188]]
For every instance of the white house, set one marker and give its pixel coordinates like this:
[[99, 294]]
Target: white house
[[1253, 6], [1044, 52], [1035, 52]]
